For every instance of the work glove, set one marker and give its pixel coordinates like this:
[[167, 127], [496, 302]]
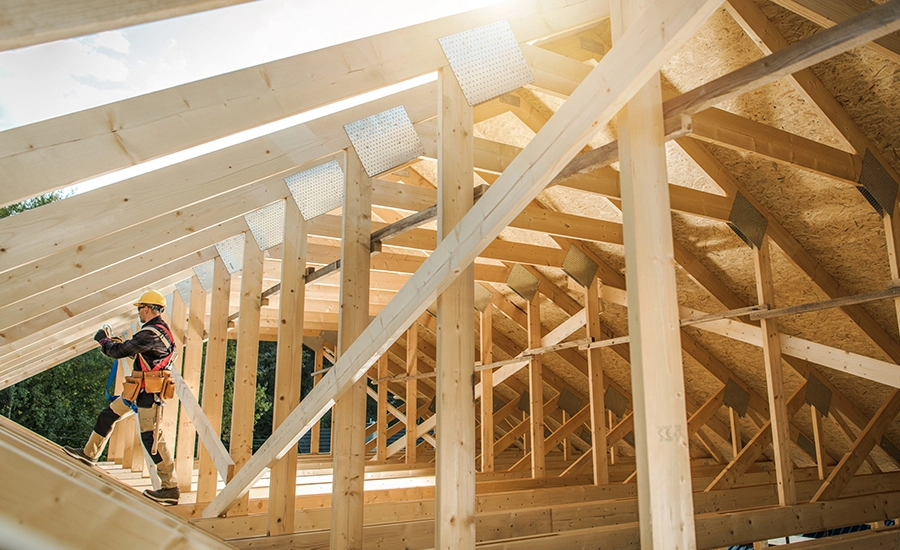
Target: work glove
[[100, 336]]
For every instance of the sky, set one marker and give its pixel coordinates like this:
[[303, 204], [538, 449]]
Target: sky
[[49, 80]]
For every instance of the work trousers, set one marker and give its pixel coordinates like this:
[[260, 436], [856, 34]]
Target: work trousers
[[116, 411]]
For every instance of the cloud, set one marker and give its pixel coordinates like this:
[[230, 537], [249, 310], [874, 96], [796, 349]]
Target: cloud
[[113, 40]]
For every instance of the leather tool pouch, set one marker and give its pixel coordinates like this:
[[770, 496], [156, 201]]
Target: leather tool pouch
[[131, 388], [153, 381], [168, 388]]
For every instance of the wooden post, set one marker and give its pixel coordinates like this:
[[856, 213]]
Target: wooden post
[[193, 355], [381, 438], [455, 428], [128, 435], [412, 392], [245, 364], [536, 389], [612, 449], [214, 374], [317, 427], [593, 307], [487, 390], [781, 430], [660, 417], [114, 451], [288, 366], [349, 435], [178, 325]]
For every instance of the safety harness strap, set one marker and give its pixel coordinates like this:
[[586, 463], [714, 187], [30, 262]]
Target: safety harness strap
[[170, 345]]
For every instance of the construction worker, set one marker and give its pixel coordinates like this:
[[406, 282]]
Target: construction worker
[[153, 349]]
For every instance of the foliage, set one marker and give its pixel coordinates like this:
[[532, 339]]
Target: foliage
[[17, 208]]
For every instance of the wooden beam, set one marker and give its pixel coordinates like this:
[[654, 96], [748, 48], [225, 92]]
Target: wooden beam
[[214, 376], [536, 390], [382, 418], [633, 60], [178, 325], [412, 392], [288, 365], [818, 436], [193, 356], [663, 459], [828, 13], [245, 363], [350, 409], [778, 414], [865, 442], [487, 389], [50, 155], [455, 429], [593, 306], [29, 23]]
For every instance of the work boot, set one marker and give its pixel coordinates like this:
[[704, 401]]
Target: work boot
[[164, 496], [79, 454]]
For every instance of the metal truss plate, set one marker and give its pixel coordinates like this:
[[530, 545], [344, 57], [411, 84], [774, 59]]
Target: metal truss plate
[[482, 297], [890, 448], [569, 402], [746, 221], [204, 273], [318, 190], [878, 187], [267, 225], [818, 395], [736, 397], [385, 141], [487, 61], [807, 445], [579, 266], [615, 401], [585, 435], [184, 290], [231, 251], [498, 404], [522, 282], [629, 438]]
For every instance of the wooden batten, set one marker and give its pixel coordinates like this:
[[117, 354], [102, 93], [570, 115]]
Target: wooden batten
[[193, 355]]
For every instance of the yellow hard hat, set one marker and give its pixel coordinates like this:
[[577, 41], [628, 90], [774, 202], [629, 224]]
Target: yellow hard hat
[[153, 298]]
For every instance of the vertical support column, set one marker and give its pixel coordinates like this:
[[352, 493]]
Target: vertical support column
[[193, 355], [536, 389], [245, 364], [412, 392], [487, 390], [593, 307], [350, 409], [214, 375], [455, 427], [381, 438], [113, 452], [178, 325], [778, 415], [317, 428], [665, 502], [288, 366]]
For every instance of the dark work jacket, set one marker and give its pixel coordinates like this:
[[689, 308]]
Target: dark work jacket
[[146, 343]]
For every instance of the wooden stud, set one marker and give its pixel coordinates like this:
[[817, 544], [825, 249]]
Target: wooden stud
[[778, 417], [349, 435], [593, 307], [455, 428], [736, 442], [193, 356], [412, 393], [487, 390], [661, 435], [214, 375], [288, 366], [536, 390], [170, 411], [816, 418], [382, 419], [314, 439], [246, 362]]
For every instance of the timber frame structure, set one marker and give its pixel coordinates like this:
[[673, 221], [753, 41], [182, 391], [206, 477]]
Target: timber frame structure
[[740, 159]]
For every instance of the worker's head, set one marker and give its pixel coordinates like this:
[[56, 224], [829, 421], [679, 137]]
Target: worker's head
[[150, 305]]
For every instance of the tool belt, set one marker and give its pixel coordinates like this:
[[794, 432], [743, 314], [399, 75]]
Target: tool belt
[[152, 382]]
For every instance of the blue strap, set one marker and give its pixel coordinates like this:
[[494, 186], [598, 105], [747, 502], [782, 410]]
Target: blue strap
[[111, 382]]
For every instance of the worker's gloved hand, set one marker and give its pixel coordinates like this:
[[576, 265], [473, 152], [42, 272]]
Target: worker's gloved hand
[[100, 336]]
